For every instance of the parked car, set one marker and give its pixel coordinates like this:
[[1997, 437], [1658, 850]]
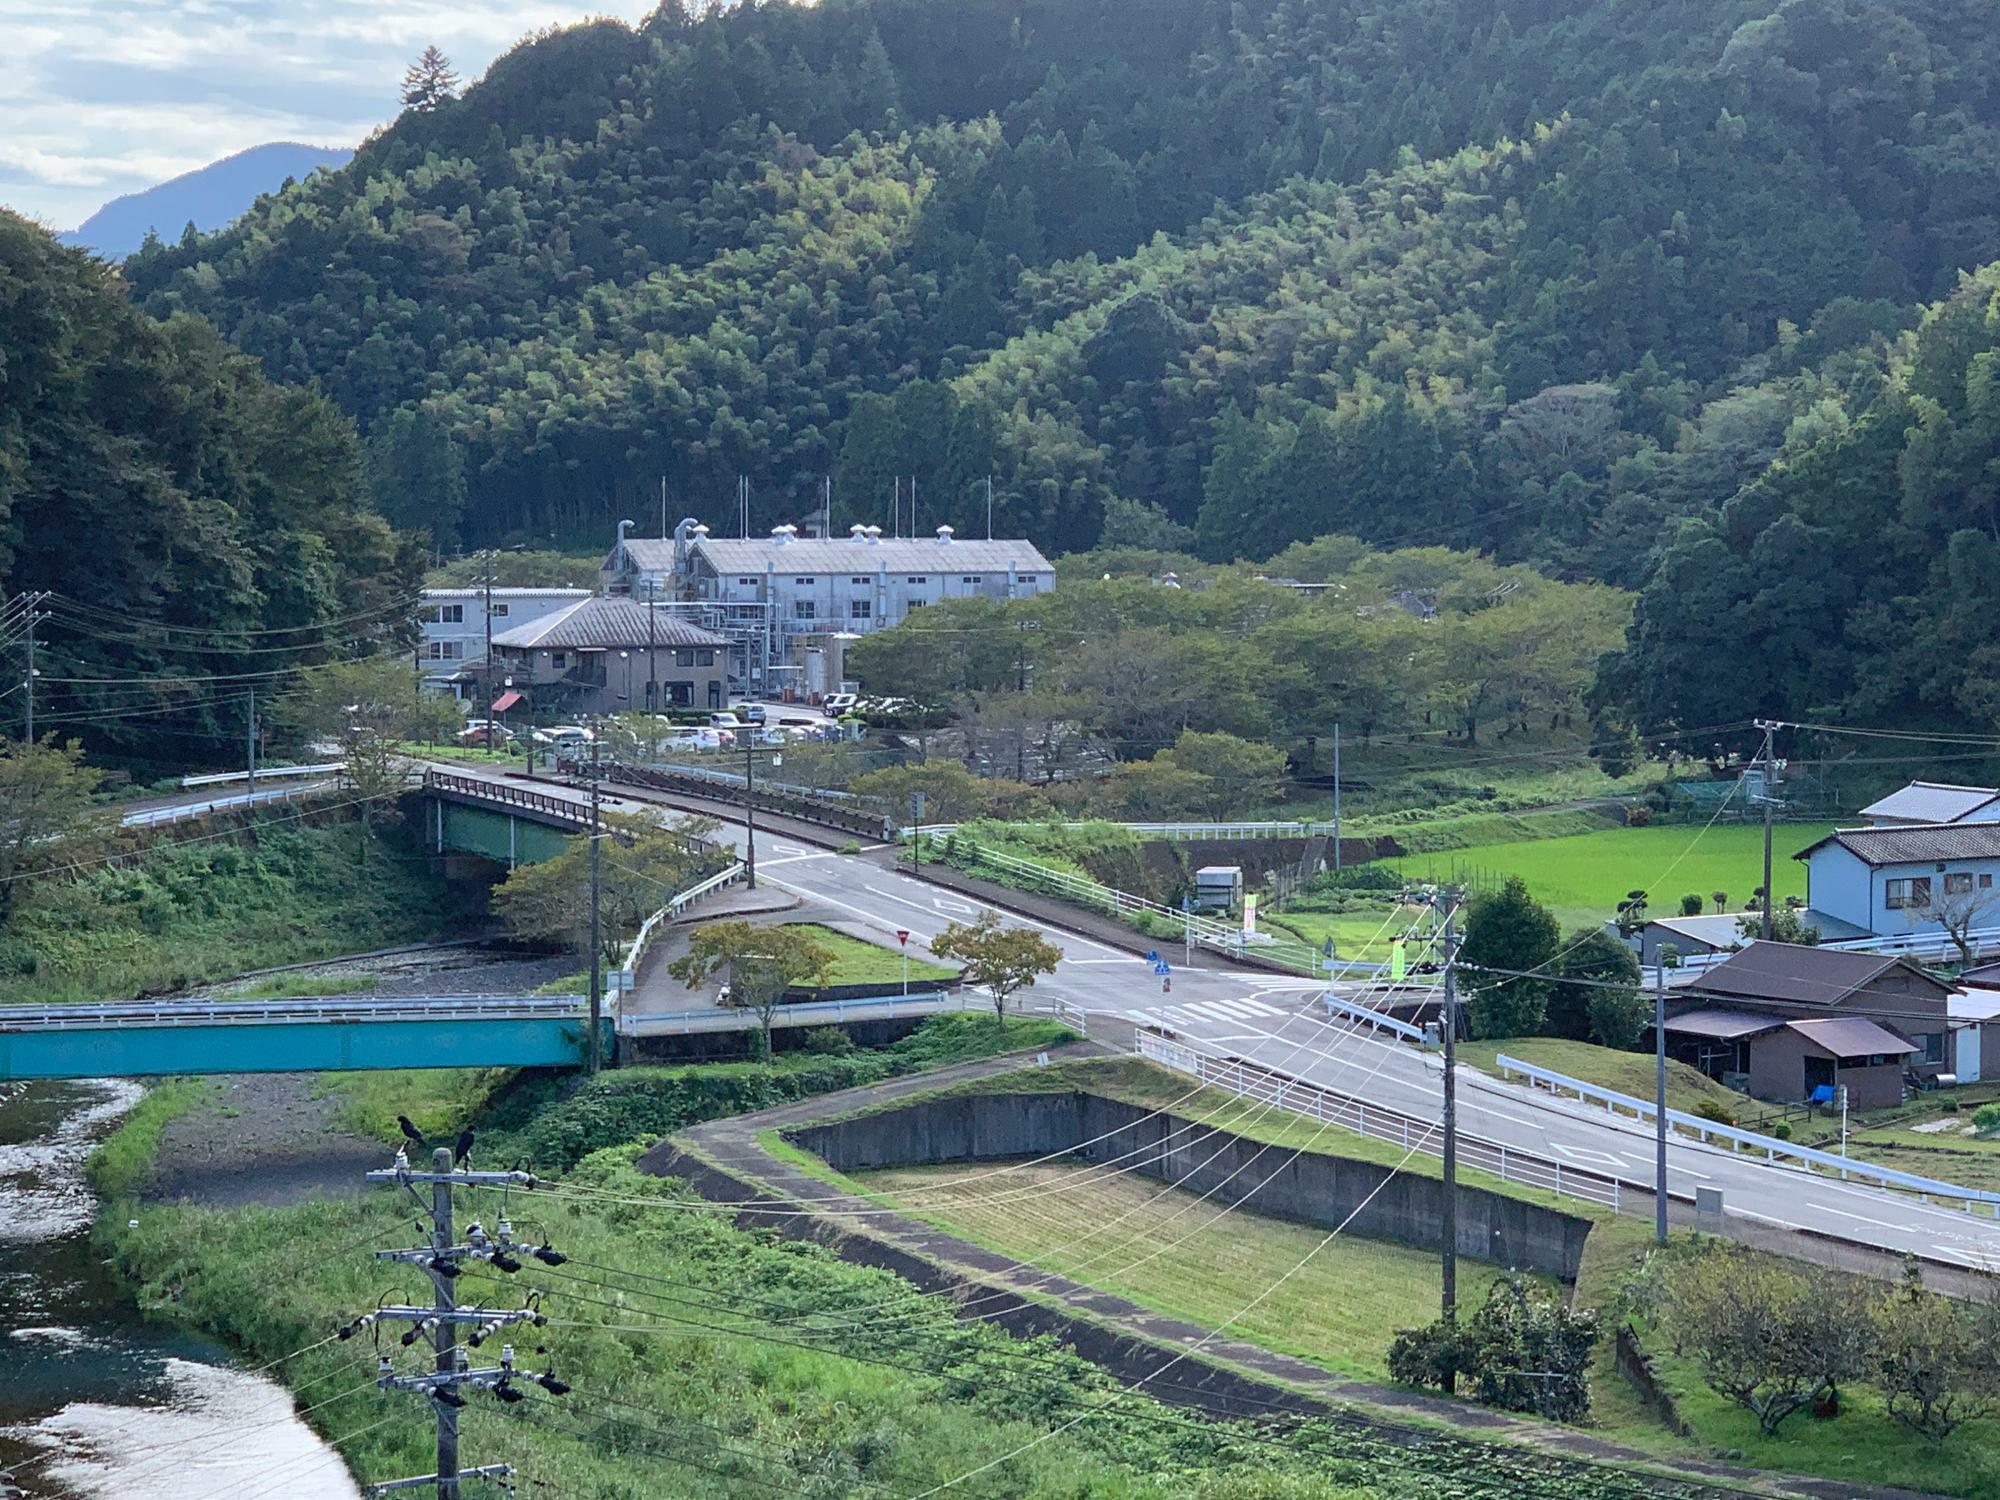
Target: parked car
[[725, 720], [749, 713], [839, 703], [564, 734], [476, 733]]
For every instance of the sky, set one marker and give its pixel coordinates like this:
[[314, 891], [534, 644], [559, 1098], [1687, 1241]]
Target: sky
[[103, 97]]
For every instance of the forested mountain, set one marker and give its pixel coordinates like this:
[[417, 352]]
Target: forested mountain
[[1555, 281], [201, 532], [208, 197]]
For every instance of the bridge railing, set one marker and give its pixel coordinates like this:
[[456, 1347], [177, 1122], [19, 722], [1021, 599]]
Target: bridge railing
[[299, 1010], [506, 794], [1249, 1080], [1770, 1147], [264, 773], [807, 807], [1180, 832]]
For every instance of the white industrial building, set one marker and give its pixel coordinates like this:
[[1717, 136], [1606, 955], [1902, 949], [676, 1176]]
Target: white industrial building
[[769, 594]]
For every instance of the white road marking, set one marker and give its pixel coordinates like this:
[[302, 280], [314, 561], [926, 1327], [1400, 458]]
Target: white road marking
[[1862, 1218], [1258, 1007]]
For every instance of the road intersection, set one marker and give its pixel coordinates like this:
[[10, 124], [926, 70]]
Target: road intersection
[[1280, 1023]]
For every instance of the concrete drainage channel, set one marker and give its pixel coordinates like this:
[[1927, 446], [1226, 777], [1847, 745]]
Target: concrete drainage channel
[[723, 1161]]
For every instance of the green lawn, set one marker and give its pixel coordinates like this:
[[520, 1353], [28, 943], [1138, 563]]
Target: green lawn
[[1583, 877], [859, 962], [1339, 1302], [1628, 1072], [1358, 935]]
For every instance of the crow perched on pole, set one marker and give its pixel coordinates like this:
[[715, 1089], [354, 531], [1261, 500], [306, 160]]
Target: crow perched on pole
[[462, 1156], [409, 1130]]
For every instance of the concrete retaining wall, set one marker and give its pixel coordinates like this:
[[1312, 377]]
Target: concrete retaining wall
[[1306, 1187]]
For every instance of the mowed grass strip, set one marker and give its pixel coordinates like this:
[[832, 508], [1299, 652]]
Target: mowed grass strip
[[1584, 876], [1339, 1302], [858, 962]]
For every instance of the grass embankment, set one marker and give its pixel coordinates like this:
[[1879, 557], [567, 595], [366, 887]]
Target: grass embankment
[[122, 1163], [195, 913], [1628, 1072], [708, 1361], [292, 986], [1583, 877], [1337, 1300]]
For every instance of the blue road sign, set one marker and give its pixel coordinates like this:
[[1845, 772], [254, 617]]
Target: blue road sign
[[1163, 968], [1152, 956]]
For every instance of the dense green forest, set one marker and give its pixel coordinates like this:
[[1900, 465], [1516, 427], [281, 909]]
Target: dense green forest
[[199, 531], [1668, 297]]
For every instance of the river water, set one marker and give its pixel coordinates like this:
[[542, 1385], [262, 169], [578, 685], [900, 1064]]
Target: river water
[[96, 1400]]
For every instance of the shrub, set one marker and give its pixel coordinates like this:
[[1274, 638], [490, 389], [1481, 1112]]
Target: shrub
[[1782, 1130], [827, 1041], [1986, 1120], [1524, 1350], [1691, 904]]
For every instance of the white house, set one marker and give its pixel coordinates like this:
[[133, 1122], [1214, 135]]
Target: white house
[[454, 625], [768, 593], [1894, 880], [1934, 802]]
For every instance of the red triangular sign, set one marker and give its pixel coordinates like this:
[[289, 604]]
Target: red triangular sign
[[903, 935]]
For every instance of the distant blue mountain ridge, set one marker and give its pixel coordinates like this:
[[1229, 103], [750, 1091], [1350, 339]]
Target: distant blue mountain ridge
[[211, 196]]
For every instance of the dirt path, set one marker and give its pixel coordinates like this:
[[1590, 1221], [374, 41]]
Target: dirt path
[[261, 1138]]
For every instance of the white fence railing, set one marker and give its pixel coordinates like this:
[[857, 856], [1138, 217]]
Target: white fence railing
[[153, 816], [1771, 1148], [801, 1013], [1362, 1015], [1187, 832], [264, 773], [1251, 1080], [626, 974]]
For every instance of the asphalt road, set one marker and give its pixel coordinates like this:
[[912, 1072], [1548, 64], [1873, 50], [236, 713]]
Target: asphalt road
[[1278, 1022]]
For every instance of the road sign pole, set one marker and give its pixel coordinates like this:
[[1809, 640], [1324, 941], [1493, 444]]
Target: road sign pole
[[1449, 1229], [903, 941]]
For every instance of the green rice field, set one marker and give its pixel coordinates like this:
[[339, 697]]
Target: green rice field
[[1583, 877]]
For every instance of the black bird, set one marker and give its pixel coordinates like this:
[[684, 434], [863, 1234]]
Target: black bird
[[463, 1154], [410, 1130]]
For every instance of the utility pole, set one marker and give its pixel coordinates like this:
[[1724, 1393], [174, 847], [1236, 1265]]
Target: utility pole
[[1660, 1103], [35, 616], [596, 894], [1767, 767], [1336, 797], [749, 733], [444, 1258], [652, 640], [487, 712], [916, 831], [989, 507], [250, 741], [1449, 1229]]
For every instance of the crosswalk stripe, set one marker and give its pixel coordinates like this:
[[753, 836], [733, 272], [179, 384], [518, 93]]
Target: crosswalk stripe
[[1258, 1007]]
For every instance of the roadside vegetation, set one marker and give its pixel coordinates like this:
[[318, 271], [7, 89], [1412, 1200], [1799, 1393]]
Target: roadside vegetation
[[178, 915]]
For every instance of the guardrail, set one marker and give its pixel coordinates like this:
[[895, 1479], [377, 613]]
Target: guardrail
[[507, 794], [264, 773], [1773, 1149], [1195, 832], [298, 1010], [1362, 1015], [148, 817], [1249, 1080], [800, 1013], [626, 974]]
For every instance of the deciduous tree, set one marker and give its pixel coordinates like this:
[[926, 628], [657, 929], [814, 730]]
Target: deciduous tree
[[761, 962], [1001, 960]]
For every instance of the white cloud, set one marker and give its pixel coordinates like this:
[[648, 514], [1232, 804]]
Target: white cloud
[[103, 97]]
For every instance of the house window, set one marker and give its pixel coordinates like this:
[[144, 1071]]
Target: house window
[[559, 661], [1958, 885], [1900, 895], [804, 583], [861, 609], [864, 582], [802, 609], [691, 656], [705, 657], [1933, 1046], [498, 611], [748, 583], [924, 579], [444, 650], [445, 614], [973, 578], [1986, 882]]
